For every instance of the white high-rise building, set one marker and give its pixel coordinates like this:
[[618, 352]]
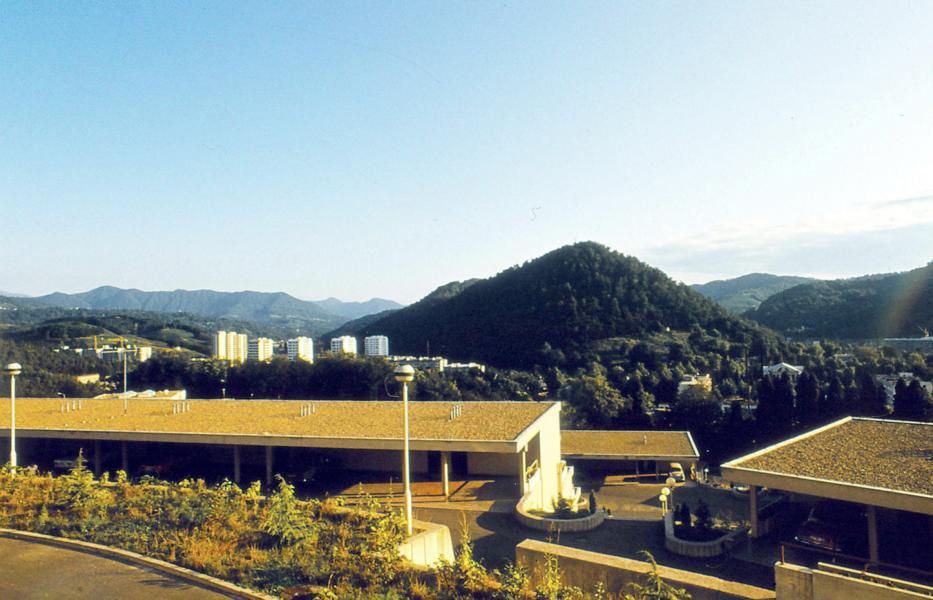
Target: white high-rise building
[[376, 345], [229, 345], [300, 348], [219, 345], [344, 343], [259, 349]]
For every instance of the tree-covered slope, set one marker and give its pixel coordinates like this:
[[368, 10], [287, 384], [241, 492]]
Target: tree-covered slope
[[747, 292], [560, 302], [894, 305]]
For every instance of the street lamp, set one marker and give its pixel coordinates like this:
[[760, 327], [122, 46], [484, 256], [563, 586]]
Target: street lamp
[[13, 369], [405, 374]]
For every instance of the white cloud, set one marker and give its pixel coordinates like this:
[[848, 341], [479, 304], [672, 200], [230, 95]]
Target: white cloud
[[877, 237]]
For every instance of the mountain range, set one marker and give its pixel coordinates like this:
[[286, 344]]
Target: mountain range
[[269, 308], [870, 307], [747, 292]]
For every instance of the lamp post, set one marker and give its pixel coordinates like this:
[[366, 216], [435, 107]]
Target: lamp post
[[670, 482], [13, 369], [663, 500], [405, 374]]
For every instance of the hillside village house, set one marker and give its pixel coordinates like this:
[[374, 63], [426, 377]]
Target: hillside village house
[[781, 369]]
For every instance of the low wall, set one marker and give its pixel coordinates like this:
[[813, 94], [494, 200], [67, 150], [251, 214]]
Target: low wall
[[586, 569], [829, 582], [429, 546], [698, 549], [588, 522]]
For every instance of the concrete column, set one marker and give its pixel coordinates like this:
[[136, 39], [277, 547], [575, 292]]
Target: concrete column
[[872, 514], [97, 457], [753, 509], [269, 457], [523, 472], [124, 458], [445, 473], [236, 464]]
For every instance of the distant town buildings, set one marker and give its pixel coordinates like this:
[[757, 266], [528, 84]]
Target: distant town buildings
[[922, 344], [116, 354], [376, 345], [230, 345], [889, 383], [259, 349], [300, 348], [699, 382], [344, 343], [424, 363], [464, 367], [781, 369]]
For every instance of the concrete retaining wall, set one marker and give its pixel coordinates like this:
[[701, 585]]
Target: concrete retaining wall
[[828, 582], [429, 546], [586, 569]]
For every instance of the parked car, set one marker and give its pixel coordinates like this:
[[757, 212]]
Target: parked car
[[835, 527]]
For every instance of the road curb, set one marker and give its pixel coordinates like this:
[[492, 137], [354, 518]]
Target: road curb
[[200, 579]]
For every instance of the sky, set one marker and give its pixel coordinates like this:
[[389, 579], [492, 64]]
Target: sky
[[362, 149]]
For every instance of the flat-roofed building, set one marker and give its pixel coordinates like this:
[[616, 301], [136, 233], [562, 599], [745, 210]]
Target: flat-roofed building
[[345, 344], [514, 441], [882, 465], [629, 452], [376, 345], [300, 348]]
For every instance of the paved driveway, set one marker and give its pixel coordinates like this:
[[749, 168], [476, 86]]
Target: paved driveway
[[30, 570]]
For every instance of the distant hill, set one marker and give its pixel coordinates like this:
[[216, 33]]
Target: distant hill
[[269, 308], [560, 302], [747, 292], [439, 295], [355, 310], [876, 306]]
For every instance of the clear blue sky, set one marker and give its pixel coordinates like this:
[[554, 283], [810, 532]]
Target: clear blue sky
[[382, 149]]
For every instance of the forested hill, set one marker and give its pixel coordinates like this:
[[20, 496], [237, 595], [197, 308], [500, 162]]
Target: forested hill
[[747, 292], [559, 304], [894, 305]]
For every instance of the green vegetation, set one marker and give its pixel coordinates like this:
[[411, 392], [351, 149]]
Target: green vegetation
[[550, 312], [747, 292], [276, 543], [48, 373], [898, 305]]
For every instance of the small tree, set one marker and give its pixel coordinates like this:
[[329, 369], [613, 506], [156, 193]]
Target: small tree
[[702, 515], [654, 588]]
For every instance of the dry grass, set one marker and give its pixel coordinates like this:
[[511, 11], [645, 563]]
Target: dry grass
[[480, 421], [885, 454]]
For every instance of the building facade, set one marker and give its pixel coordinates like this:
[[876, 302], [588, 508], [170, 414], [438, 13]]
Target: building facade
[[300, 348], [344, 343], [229, 345], [259, 349], [376, 345]]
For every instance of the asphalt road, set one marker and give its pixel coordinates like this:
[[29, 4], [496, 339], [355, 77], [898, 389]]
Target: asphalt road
[[30, 570]]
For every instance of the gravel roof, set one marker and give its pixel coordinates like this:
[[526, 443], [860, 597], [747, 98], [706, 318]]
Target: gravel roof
[[478, 421], [627, 443], [892, 455]]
